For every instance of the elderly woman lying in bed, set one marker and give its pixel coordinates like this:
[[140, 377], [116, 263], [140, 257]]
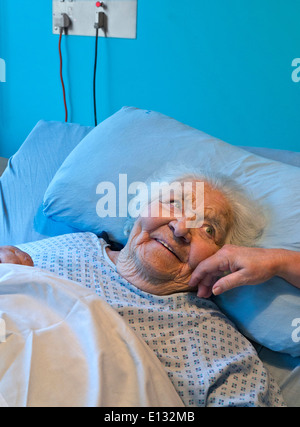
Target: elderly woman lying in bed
[[165, 254], [169, 254]]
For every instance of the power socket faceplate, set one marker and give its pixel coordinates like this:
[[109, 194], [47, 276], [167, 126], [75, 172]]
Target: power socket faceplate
[[120, 17]]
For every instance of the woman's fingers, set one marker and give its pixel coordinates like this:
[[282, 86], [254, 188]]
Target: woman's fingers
[[13, 255], [24, 258]]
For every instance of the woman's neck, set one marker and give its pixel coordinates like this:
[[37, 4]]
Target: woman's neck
[[126, 268]]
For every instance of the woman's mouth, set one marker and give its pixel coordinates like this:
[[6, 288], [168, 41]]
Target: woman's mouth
[[165, 244]]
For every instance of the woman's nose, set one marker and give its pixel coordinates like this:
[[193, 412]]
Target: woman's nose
[[180, 229]]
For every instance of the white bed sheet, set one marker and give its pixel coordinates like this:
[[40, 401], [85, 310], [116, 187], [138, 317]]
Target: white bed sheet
[[64, 346]]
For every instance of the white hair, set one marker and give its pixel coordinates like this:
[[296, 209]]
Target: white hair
[[248, 217]]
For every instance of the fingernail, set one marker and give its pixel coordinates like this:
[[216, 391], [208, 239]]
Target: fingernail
[[217, 290]]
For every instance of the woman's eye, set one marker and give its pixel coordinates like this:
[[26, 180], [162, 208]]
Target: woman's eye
[[176, 203], [209, 230]]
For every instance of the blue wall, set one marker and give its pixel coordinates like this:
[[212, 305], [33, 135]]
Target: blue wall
[[221, 66]]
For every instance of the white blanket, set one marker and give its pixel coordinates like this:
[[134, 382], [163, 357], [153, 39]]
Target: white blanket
[[64, 346]]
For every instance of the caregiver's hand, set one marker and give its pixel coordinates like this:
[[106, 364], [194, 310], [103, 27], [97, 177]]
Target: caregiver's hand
[[13, 255], [234, 266]]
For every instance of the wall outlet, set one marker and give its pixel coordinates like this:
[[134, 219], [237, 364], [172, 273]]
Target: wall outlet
[[119, 19]]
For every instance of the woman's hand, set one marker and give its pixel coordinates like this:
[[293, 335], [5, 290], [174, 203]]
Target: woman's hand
[[234, 266], [13, 255]]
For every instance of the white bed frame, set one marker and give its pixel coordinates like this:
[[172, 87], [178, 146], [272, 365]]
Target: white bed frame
[[3, 163]]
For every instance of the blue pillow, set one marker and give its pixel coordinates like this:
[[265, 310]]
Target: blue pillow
[[26, 178], [283, 156], [138, 142]]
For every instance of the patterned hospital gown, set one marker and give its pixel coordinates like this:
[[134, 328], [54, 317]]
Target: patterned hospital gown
[[208, 361]]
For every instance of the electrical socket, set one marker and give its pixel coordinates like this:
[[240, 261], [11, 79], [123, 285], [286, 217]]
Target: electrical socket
[[62, 21], [100, 20], [119, 19]]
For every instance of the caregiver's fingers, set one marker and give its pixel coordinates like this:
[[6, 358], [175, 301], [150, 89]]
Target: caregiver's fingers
[[214, 266], [205, 286], [204, 291], [231, 281]]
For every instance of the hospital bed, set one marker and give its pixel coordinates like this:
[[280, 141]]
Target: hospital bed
[[53, 160]]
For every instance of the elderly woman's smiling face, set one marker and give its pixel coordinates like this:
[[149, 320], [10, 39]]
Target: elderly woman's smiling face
[[163, 251]]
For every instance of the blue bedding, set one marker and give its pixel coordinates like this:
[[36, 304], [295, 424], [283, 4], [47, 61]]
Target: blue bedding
[[26, 178]]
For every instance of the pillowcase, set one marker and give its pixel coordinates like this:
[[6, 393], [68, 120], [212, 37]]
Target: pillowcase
[[283, 156], [137, 143], [26, 178]]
